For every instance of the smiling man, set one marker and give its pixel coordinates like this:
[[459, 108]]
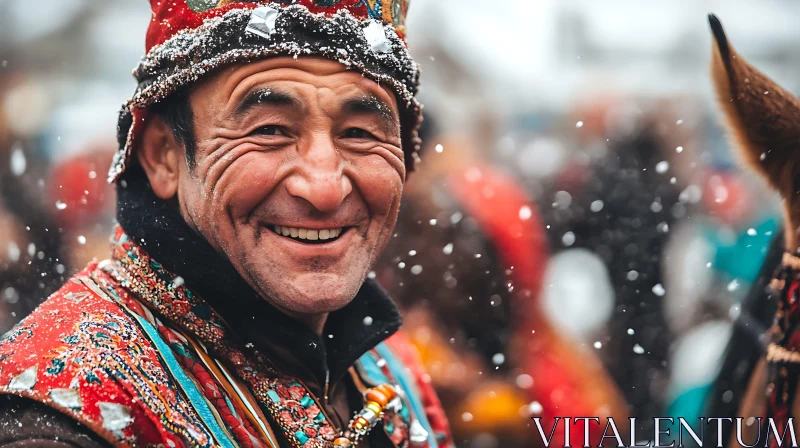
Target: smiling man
[[261, 165]]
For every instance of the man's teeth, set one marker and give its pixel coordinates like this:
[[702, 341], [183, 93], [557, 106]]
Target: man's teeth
[[307, 234]]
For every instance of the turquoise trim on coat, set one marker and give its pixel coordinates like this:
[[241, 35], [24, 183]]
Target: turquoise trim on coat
[[197, 399], [409, 386]]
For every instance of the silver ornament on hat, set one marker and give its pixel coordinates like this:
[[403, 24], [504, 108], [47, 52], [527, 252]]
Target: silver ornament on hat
[[375, 33], [262, 21]]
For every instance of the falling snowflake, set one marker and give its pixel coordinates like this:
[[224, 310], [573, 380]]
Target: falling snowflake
[[11, 295], [579, 124], [562, 200], [659, 290], [734, 311], [18, 161], [448, 249], [638, 349], [525, 213], [13, 252], [524, 381]]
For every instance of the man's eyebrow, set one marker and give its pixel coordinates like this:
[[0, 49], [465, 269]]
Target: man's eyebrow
[[370, 104], [264, 97]]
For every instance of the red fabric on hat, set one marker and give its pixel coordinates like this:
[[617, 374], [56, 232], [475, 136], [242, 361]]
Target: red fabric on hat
[[171, 16]]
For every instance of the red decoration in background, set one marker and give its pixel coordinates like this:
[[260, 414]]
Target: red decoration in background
[[77, 189], [565, 382], [727, 196]]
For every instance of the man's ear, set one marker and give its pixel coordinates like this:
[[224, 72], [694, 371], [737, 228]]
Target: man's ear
[[161, 156]]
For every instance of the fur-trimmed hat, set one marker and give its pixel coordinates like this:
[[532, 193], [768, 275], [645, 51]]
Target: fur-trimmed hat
[[188, 39]]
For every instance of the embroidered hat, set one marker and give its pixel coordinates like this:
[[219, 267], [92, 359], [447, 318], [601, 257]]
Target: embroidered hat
[[188, 39]]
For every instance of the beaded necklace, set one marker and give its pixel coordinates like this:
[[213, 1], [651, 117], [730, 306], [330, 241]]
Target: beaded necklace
[[377, 399]]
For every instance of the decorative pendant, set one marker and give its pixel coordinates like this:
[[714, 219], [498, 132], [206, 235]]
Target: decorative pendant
[[377, 400]]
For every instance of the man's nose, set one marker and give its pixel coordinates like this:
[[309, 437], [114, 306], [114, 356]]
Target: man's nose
[[320, 179]]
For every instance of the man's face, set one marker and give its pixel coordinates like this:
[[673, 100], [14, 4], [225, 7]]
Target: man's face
[[297, 179]]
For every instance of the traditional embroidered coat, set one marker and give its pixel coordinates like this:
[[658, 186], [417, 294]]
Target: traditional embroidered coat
[[128, 350]]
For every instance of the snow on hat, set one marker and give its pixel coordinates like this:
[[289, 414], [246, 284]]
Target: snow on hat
[[188, 39]]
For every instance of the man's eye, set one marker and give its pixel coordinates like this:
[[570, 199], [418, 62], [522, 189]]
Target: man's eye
[[270, 130], [357, 133]]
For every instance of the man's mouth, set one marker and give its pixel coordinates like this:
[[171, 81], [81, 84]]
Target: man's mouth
[[309, 236]]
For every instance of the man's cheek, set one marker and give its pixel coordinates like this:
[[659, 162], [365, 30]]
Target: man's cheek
[[381, 186], [247, 184]]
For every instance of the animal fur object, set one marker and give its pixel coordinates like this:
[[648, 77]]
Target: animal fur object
[[763, 119]]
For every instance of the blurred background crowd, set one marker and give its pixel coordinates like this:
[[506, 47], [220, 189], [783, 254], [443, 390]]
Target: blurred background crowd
[[578, 239]]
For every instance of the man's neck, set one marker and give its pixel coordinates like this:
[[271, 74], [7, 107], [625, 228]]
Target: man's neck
[[314, 322]]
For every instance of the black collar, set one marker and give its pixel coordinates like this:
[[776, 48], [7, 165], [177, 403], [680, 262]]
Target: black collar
[[166, 237]]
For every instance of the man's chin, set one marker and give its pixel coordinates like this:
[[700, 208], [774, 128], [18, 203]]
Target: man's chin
[[314, 294]]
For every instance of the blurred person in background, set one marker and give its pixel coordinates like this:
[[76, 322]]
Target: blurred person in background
[[31, 257], [466, 265], [618, 199], [260, 169]]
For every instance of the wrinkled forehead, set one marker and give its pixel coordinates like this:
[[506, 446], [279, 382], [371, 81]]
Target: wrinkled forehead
[[236, 81]]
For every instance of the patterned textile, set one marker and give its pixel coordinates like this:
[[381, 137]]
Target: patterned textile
[[83, 355], [125, 341], [783, 351]]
